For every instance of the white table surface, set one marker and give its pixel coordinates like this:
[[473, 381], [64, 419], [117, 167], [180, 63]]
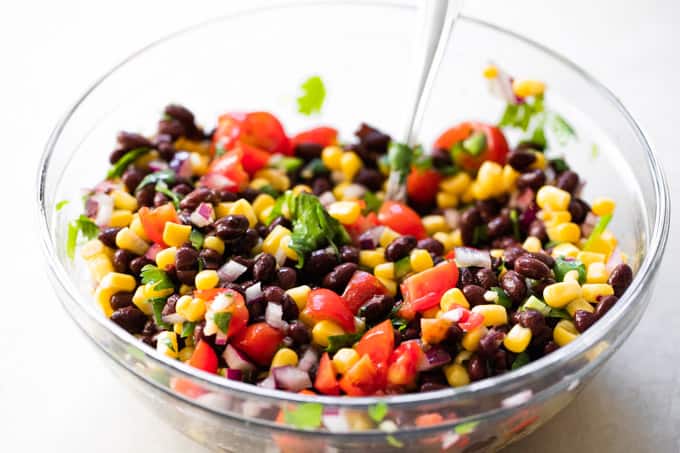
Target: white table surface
[[56, 394]]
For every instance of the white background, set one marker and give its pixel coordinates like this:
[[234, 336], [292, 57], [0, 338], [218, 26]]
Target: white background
[[56, 395]]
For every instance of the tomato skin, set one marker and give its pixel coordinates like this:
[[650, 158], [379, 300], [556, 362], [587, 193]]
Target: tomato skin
[[322, 136], [228, 166], [422, 185], [361, 287], [403, 364], [258, 129], [259, 342], [401, 219], [364, 378], [378, 342], [153, 221], [252, 158], [496, 146], [204, 358], [238, 309], [324, 304], [424, 290], [325, 381], [363, 223]]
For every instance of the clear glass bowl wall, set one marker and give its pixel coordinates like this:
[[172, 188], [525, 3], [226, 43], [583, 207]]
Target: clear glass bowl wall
[[255, 60]]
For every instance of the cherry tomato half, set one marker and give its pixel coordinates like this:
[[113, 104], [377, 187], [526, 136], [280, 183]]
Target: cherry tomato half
[[401, 219], [237, 308], [322, 136], [403, 364], [324, 304], [424, 290], [153, 221], [378, 342], [495, 146], [422, 185], [259, 129], [226, 172], [361, 287], [364, 378], [204, 358], [325, 381], [259, 341]]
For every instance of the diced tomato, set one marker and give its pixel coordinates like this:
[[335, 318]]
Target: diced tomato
[[473, 321], [403, 364], [378, 342], [361, 287], [401, 219], [259, 129], [364, 378], [424, 290], [259, 341], [153, 221], [187, 387], [204, 358], [252, 158], [324, 304], [237, 308], [496, 148], [363, 223], [433, 418], [422, 185], [322, 136], [226, 172], [325, 381]]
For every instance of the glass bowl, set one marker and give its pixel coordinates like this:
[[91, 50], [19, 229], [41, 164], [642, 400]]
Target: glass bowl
[[256, 59]]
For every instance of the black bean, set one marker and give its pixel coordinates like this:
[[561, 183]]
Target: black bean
[[538, 287], [499, 226], [186, 258], [138, 263], [145, 195], [171, 127], [369, 178], [511, 254], [400, 247], [537, 229], [186, 276], [320, 185], [476, 368], [568, 180], [521, 160], [366, 241], [121, 300], [583, 319], [256, 308], [170, 306], [375, 308], [453, 335], [290, 308], [108, 237], [182, 189], [286, 277], [468, 222], [130, 140], [488, 209], [372, 138], [246, 243], [280, 220], [466, 277], [486, 278], [432, 386], [531, 267], [514, 286], [490, 343], [441, 158], [116, 155], [549, 347], [160, 199], [231, 227], [130, 318], [533, 180], [273, 294], [531, 319], [474, 295], [264, 268], [196, 197], [604, 305], [578, 209], [544, 257], [211, 259], [132, 177], [338, 278], [320, 262], [431, 245], [349, 254], [308, 150], [299, 333], [620, 278], [121, 261], [166, 151], [180, 113], [501, 362]]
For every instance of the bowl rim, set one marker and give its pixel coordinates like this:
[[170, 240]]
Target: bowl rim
[[528, 373]]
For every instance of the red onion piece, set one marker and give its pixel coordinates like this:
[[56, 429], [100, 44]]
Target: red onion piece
[[454, 315], [234, 375], [254, 291], [173, 318], [181, 165], [589, 224], [217, 181], [326, 198], [230, 271], [528, 216], [203, 215], [273, 316], [104, 209], [236, 360], [221, 338], [308, 360], [452, 217], [291, 378], [471, 257], [152, 251], [268, 382], [158, 165], [434, 357]]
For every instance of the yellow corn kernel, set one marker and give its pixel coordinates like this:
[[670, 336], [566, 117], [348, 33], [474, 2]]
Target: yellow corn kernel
[[118, 282], [434, 330], [103, 298], [242, 207], [420, 260], [127, 240], [489, 181], [258, 183], [120, 218], [193, 146], [271, 242], [99, 266], [565, 232], [597, 273], [498, 253], [346, 212], [517, 339], [177, 328], [605, 244], [285, 246], [560, 294], [214, 243], [387, 236], [344, 359], [277, 178], [456, 184], [390, 285], [137, 227], [185, 289], [166, 257], [456, 375], [350, 163], [175, 234], [435, 224], [528, 87], [445, 239], [470, 341], [564, 333], [191, 308], [123, 200], [565, 249], [150, 291], [185, 353], [199, 163], [540, 163], [494, 315], [510, 176], [550, 197], [93, 248], [144, 160], [571, 276], [468, 196], [490, 72], [371, 258], [223, 209], [166, 343], [385, 270], [451, 297], [433, 312], [456, 238], [446, 200], [298, 189], [299, 295], [589, 258], [284, 357], [462, 357], [554, 218], [532, 244], [263, 201], [141, 301], [593, 291], [603, 206], [206, 279], [331, 157], [579, 304], [324, 329], [339, 190]]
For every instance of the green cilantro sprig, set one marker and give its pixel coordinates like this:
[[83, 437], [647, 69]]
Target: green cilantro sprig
[[222, 320], [304, 416], [119, 167], [378, 411], [82, 226], [337, 342], [313, 96], [162, 187], [532, 117], [168, 176], [60, 205], [156, 277]]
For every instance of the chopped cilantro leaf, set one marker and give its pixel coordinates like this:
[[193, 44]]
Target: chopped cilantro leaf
[[521, 360], [162, 187], [222, 320], [304, 416], [188, 329], [400, 158], [313, 95], [561, 128], [60, 205], [168, 176], [158, 278], [515, 224], [337, 342], [157, 305], [83, 226], [119, 167], [196, 238], [503, 298], [284, 163], [378, 411], [465, 428], [373, 203], [399, 323], [475, 143], [559, 165]]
